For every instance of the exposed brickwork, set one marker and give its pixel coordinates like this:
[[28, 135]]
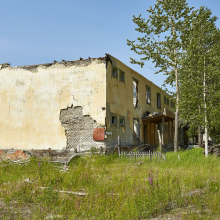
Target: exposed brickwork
[[79, 129], [19, 154]]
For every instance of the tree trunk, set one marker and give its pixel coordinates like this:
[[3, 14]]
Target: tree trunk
[[206, 126], [199, 135], [176, 148], [177, 101]]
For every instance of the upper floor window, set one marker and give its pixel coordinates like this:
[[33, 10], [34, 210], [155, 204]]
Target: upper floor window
[[148, 95], [158, 101], [115, 72], [166, 100], [135, 93], [121, 76]]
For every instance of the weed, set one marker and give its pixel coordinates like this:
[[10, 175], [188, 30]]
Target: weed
[[116, 188]]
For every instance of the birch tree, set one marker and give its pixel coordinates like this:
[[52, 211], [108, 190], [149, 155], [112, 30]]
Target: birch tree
[[170, 20], [200, 78]]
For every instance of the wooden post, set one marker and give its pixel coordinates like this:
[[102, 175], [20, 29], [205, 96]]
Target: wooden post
[[162, 133], [160, 146], [119, 146], [152, 134]]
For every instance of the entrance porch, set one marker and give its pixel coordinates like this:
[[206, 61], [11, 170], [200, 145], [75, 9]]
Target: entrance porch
[[162, 121]]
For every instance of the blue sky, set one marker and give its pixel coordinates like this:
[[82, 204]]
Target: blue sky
[[34, 32]]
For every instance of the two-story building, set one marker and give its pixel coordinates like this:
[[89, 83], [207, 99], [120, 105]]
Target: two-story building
[[81, 104]]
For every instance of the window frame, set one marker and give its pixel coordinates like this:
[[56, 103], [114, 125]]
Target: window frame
[[158, 95], [165, 100], [121, 117], [114, 116], [137, 91], [123, 73], [136, 138], [114, 68], [148, 89]]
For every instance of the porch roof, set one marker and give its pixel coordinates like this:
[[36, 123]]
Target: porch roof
[[157, 118]]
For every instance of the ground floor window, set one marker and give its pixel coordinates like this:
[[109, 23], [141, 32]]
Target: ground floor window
[[136, 128]]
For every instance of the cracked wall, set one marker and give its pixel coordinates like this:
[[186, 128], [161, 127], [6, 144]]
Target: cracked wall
[[31, 98]]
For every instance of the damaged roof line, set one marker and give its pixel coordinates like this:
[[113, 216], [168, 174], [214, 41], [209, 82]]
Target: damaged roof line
[[67, 63]]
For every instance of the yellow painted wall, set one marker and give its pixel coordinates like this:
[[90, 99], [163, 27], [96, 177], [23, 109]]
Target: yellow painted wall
[[30, 101], [120, 101]]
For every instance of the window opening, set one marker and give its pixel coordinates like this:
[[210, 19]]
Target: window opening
[[135, 93], [158, 101], [114, 120], [122, 121], [121, 76], [136, 128], [148, 95], [115, 72]]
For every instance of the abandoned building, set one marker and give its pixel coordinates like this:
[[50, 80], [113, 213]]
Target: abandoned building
[[81, 104]]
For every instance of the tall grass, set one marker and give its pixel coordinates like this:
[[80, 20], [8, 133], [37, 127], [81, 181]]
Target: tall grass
[[116, 188]]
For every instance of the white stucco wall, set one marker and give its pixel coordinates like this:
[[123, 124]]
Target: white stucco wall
[[30, 101]]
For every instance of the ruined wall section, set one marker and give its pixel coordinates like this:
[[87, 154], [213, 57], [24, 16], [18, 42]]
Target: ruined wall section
[[32, 99], [79, 129]]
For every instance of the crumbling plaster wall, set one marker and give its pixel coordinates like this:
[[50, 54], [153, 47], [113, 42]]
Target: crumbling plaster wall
[[120, 102], [32, 97]]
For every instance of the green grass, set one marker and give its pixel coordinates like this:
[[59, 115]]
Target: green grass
[[115, 188]]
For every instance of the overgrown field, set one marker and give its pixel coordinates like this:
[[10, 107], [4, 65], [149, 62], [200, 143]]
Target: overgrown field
[[113, 188]]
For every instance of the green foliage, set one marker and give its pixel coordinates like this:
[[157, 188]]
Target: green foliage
[[200, 75], [169, 20]]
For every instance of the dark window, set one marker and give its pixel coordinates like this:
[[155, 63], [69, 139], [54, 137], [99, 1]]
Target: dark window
[[148, 95], [165, 100], [122, 120], [121, 76], [158, 101], [115, 72], [135, 93], [136, 128], [172, 104], [114, 120]]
